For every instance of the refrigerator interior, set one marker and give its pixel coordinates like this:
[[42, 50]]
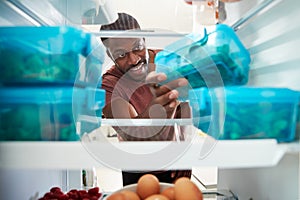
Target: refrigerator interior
[[271, 36]]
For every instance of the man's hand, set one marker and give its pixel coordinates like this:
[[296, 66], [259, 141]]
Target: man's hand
[[165, 98]]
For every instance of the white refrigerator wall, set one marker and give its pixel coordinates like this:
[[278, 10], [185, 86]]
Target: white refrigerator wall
[[23, 184], [272, 38]]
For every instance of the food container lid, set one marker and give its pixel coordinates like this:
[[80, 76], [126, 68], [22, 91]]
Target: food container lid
[[91, 98], [199, 57], [245, 94], [48, 40]]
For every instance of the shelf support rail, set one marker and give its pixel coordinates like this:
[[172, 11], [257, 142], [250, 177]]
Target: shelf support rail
[[143, 122]]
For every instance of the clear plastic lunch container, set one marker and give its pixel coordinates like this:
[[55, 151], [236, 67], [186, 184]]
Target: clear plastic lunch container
[[215, 58], [37, 55], [240, 112], [46, 113]]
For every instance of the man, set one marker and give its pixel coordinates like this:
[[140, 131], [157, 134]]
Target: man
[[132, 91]]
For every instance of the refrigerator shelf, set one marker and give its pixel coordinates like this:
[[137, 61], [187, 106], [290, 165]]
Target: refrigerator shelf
[[223, 154]]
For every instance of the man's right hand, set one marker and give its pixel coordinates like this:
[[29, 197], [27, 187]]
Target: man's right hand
[[165, 98]]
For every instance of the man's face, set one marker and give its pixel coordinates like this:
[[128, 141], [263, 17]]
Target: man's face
[[130, 56]]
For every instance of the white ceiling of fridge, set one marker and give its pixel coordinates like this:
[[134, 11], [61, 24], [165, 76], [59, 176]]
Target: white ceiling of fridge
[[171, 15]]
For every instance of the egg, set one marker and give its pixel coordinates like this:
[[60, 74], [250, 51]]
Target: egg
[[117, 196], [185, 189], [157, 197], [130, 195], [169, 192], [147, 185]]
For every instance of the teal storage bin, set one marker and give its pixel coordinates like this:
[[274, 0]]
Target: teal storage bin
[[46, 113], [246, 112], [37, 55], [215, 58]]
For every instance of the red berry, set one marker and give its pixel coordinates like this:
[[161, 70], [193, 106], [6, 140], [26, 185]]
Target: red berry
[[73, 191], [82, 193], [98, 195], [58, 193], [50, 195], [55, 189], [85, 196], [94, 198], [73, 195], [94, 190], [63, 197]]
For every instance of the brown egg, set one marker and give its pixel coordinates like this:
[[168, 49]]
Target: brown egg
[[157, 197], [185, 189], [130, 195], [169, 192], [117, 196], [147, 185]]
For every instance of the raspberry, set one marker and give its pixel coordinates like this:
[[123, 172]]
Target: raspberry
[[55, 189], [94, 190]]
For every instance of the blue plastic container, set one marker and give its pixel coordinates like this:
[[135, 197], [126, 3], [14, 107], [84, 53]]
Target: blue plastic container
[[215, 58], [31, 55], [246, 112], [46, 113]]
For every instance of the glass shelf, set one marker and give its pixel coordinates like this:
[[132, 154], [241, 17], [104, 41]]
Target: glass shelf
[[76, 155]]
